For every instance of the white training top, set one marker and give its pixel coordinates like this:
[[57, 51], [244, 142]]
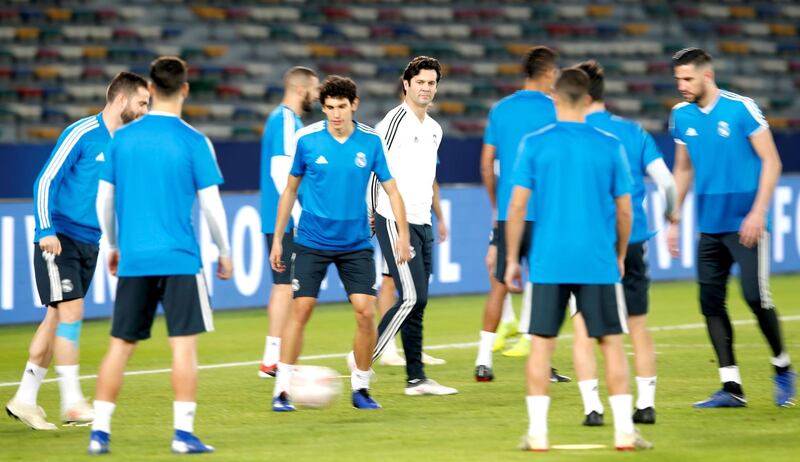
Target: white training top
[[412, 155]]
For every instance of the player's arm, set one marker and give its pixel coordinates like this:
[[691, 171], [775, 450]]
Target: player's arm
[[437, 211], [515, 224], [624, 224], [108, 223], [488, 155], [660, 174], [285, 205], [211, 205], [683, 174], [771, 167], [44, 191], [403, 246]]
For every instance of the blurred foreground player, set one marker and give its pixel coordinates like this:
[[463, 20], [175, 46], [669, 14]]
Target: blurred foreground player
[[154, 170], [580, 183]]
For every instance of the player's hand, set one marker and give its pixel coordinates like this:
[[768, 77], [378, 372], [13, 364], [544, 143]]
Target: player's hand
[[621, 267], [751, 229], [513, 277], [113, 262], [276, 257], [50, 244], [673, 239], [403, 250], [491, 259], [224, 268], [442, 232]]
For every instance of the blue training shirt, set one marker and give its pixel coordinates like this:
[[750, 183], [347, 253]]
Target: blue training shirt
[[641, 150], [157, 164], [575, 172], [65, 191], [513, 117], [279, 131], [334, 186], [726, 167]]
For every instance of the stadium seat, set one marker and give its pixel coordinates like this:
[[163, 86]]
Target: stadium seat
[[336, 13], [783, 30], [737, 48], [600, 11], [777, 66], [58, 14], [306, 31], [755, 29], [209, 13], [728, 29], [27, 33], [252, 32], [196, 112], [44, 133], [364, 14], [228, 90], [743, 12], [339, 68], [451, 107], [396, 50], [364, 69], [687, 11], [28, 92], [469, 50], [715, 11], [47, 72]]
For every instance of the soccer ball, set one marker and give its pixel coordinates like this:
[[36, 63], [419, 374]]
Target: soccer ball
[[314, 386]]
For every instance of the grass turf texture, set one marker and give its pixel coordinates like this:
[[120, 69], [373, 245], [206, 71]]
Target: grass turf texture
[[483, 422]]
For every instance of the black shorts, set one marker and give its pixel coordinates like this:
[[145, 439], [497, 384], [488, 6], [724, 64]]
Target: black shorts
[[602, 307], [67, 276], [499, 240], [187, 307], [356, 270], [286, 257], [636, 281]]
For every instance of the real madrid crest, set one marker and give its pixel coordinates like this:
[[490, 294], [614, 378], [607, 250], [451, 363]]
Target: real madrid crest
[[723, 129], [361, 160]]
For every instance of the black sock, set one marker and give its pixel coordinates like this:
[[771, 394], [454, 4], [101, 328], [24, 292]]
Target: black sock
[[734, 388], [781, 369]]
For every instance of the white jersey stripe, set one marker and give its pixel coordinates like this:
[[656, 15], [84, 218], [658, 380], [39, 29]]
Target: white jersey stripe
[[205, 304], [56, 294], [55, 165], [622, 307], [763, 272], [288, 131]]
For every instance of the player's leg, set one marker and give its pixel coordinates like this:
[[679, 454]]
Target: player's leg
[[187, 308], [386, 298], [754, 279], [280, 302], [74, 408], [605, 314], [546, 321], [419, 270], [357, 273], [310, 266], [523, 345], [23, 405], [134, 310], [636, 283], [713, 268], [583, 358]]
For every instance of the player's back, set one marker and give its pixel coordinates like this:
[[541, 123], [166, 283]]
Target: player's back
[[576, 171], [511, 119], [641, 150], [278, 139], [158, 164]]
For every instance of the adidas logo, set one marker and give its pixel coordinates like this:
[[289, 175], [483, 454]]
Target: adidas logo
[[321, 160], [690, 132], [100, 157]]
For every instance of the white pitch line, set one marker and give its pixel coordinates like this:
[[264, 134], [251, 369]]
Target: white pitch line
[[448, 346]]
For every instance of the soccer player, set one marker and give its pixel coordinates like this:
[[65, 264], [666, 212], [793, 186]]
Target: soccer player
[[301, 90], [580, 182], [723, 142], [504, 130], [334, 158], [412, 141], [154, 170], [66, 245], [644, 159]]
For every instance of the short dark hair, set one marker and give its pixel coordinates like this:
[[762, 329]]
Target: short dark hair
[[298, 71], [596, 78], [573, 84], [168, 74], [124, 82], [418, 64], [336, 86], [539, 60], [691, 55]]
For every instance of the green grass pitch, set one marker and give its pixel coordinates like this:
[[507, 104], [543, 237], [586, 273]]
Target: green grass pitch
[[482, 423]]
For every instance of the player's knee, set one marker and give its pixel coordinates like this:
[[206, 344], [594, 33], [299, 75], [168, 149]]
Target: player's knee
[[365, 317], [712, 300], [70, 331]]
